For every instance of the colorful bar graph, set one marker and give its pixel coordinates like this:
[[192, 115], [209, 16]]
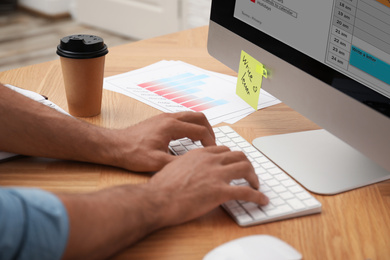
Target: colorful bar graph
[[196, 102], [187, 80], [206, 106], [156, 87], [164, 80], [181, 93], [171, 83], [165, 88], [184, 99], [181, 89]]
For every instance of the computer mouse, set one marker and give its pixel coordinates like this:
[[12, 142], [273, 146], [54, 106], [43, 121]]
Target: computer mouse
[[255, 247]]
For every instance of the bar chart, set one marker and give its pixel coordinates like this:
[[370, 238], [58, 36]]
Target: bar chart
[[174, 86], [182, 89]]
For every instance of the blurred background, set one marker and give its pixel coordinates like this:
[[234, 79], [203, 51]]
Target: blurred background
[[30, 30]]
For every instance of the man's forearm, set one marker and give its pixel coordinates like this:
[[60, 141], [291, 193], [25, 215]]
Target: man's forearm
[[105, 222], [30, 128]]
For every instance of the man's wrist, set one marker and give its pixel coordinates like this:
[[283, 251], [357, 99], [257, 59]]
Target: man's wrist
[[101, 147], [154, 206]]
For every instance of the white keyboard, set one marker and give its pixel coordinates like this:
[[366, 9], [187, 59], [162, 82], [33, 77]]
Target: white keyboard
[[287, 198]]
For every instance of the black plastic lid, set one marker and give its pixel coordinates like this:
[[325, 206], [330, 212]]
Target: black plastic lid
[[82, 46]]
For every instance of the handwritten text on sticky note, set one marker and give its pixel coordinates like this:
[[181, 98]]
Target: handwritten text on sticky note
[[250, 77]]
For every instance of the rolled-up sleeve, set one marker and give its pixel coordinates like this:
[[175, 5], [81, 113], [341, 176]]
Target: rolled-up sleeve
[[33, 224]]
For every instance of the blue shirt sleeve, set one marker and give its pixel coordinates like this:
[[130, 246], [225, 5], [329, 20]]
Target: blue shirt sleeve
[[33, 224]]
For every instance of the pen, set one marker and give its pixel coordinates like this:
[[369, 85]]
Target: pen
[[37, 97], [28, 93]]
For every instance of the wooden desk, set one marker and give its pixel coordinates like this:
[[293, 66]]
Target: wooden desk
[[352, 225]]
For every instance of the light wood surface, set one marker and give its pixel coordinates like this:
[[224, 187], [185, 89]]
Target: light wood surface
[[352, 225]]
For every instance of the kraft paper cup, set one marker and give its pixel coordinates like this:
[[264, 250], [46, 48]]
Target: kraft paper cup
[[82, 60]]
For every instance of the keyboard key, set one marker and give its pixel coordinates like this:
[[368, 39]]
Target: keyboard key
[[275, 171], [232, 204], [226, 129], [198, 143], [288, 183], [238, 211], [296, 189], [186, 142], [311, 202], [239, 181], [230, 144], [254, 164], [239, 140], [279, 210], [271, 194], [255, 155], [303, 195], [268, 165], [179, 148], [232, 135], [272, 182], [181, 152], [235, 148], [279, 188], [243, 144], [249, 149], [259, 170], [268, 208], [224, 140], [281, 177], [278, 201], [286, 195], [219, 135], [264, 188], [261, 160], [243, 219], [175, 143], [192, 147], [266, 176], [254, 211], [296, 204]]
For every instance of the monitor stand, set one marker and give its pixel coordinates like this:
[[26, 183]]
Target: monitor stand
[[321, 162]]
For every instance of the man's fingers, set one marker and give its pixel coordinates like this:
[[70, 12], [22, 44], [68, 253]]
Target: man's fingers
[[192, 131], [194, 126], [233, 156], [215, 149], [237, 166], [247, 193], [241, 170], [196, 118], [160, 159]]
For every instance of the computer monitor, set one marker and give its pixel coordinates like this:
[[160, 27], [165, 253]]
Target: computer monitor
[[330, 61]]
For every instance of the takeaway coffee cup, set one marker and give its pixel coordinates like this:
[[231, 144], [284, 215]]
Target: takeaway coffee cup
[[82, 61]]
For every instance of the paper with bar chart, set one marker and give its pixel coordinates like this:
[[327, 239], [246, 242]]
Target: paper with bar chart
[[174, 86]]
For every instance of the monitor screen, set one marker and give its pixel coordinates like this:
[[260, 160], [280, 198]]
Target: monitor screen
[[328, 59]]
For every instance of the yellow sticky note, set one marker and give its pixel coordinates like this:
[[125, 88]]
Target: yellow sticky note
[[250, 77]]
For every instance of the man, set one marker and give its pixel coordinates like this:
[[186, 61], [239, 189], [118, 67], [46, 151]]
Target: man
[[36, 224]]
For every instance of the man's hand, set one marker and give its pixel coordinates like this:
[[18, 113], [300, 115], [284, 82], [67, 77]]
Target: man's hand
[[200, 181], [185, 189], [144, 147]]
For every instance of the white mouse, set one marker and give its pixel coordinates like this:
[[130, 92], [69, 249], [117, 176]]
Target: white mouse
[[256, 247]]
